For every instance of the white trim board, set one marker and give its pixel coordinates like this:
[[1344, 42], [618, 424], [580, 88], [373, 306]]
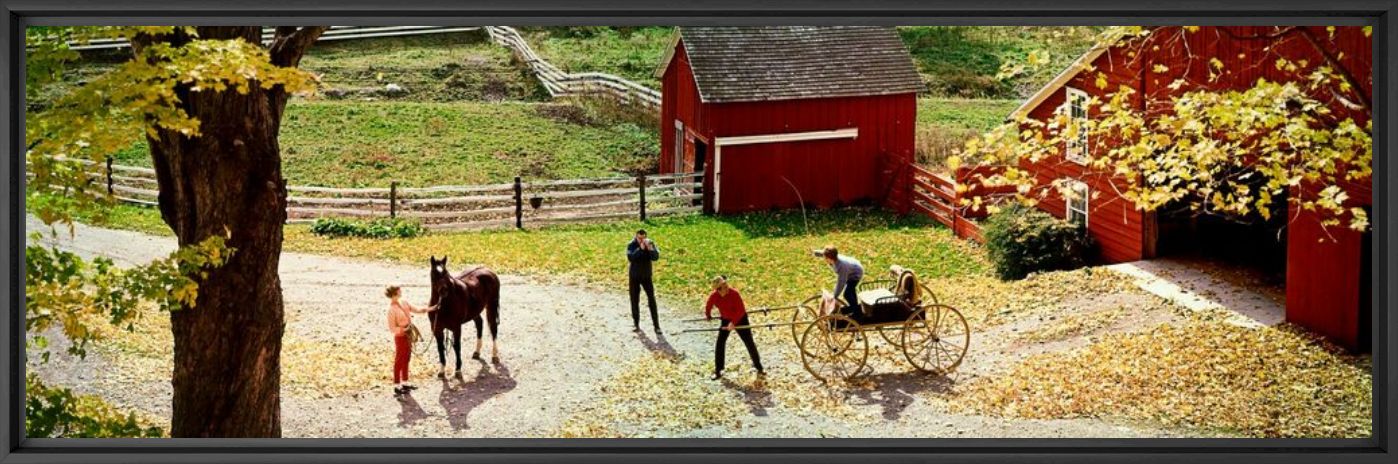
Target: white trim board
[[720, 142]]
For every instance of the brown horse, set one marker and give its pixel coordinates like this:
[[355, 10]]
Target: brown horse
[[459, 299]]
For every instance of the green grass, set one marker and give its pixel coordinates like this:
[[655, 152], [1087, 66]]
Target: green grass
[[963, 114], [439, 67], [633, 53], [767, 255], [962, 61], [352, 144]]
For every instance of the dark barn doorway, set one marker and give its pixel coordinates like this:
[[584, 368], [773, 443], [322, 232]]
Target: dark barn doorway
[[701, 156], [1251, 243]]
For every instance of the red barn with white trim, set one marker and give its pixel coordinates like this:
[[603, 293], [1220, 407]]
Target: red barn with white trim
[[777, 117], [1327, 271]]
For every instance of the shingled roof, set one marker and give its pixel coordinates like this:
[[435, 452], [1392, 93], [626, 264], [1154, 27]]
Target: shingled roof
[[738, 64]]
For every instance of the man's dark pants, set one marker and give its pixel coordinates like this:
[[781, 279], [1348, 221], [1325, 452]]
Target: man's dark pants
[[635, 289], [745, 335]]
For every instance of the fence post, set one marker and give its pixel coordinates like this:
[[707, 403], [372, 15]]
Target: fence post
[[109, 176], [393, 199], [642, 189], [519, 204]]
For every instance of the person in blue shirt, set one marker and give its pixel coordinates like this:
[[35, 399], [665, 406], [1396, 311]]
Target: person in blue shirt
[[848, 272], [641, 252]]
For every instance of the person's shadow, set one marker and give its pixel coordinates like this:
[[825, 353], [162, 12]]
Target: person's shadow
[[459, 397], [895, 392], [658, 345], [756, 396], [411, 413]]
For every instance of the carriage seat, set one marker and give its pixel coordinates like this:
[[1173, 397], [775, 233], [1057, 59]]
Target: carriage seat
[[895, 302]]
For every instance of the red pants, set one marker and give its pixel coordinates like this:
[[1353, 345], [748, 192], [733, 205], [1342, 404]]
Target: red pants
[[401, 354]]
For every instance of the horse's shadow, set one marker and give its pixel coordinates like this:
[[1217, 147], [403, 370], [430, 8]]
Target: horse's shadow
[[894, 392], [412, 412], [459, 397]]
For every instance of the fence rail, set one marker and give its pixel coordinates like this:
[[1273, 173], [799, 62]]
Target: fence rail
[[334, 33], [455, 207], [936, 195], [563, 84]]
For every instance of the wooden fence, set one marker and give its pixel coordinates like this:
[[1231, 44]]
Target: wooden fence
[[517, 204], [563, 84], [937, 195], [334, 33]]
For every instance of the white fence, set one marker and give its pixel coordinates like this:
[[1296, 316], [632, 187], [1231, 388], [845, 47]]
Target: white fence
[[563, 84], [334, 33], [461, 207]]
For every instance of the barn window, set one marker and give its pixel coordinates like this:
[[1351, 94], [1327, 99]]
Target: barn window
[[679, 145], [1077, 201], [1076, 106]]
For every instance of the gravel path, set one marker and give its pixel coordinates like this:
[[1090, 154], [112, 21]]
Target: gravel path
[[559, 345]]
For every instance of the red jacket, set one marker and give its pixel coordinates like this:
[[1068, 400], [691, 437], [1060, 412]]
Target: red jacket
[[730, 307]]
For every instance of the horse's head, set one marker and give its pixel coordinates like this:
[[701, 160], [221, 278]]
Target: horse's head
[[440, 278]]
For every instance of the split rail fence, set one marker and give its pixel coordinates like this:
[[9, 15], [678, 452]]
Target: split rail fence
[[516, 204], [563, 84]]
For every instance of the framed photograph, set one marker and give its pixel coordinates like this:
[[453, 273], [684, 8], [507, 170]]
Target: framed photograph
[[615, 231]]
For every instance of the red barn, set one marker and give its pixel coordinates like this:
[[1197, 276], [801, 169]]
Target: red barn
[[777, 117], [1326, 270]]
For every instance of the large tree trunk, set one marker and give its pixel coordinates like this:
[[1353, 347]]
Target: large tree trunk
[[228, 181]]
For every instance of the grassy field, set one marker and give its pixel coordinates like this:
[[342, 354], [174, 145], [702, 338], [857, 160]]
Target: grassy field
[[633, 53], [353, 144], [439, 67], [765, 254]]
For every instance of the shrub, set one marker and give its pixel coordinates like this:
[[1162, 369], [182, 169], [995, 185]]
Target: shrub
[[1021, 240], [54, 412], [377, 228]]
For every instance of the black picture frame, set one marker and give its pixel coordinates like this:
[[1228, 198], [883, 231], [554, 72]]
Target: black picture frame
[[15, 448]]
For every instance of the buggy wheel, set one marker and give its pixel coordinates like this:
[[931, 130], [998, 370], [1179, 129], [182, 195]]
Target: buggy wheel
[[806, 312], [832, 347], [928, 296], [892, 336], [935, 338]]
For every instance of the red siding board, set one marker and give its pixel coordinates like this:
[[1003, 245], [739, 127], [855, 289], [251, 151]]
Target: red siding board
[[1322, 266]]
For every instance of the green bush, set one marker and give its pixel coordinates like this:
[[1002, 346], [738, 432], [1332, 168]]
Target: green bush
[[53, 412], [1021, 240], [377, 228]]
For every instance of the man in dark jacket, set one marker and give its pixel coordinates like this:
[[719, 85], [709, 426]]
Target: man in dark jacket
[[641, 252]]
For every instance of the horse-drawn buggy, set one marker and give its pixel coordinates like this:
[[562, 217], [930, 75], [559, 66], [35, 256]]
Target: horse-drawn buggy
[[834, 342]]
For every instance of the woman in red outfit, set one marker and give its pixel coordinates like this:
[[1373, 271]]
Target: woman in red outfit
[[732, 314], [400, 317]]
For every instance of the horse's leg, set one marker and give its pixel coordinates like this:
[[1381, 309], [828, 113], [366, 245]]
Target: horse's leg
[[493, 316], [477, 354], [456, 345], [441, 353]]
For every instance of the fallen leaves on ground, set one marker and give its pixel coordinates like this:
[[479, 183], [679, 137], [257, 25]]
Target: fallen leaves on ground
[[1264, 382], [1073, 325]]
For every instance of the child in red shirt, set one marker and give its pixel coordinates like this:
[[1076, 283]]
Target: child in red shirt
[[732, 314]]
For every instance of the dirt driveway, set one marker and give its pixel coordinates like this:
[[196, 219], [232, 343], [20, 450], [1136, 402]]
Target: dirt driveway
[[560, 344]]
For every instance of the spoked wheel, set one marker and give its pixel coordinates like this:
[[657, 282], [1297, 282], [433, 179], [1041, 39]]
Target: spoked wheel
[[891, 335], [935, 338], [805, 312], [928, 297], [832, 348], [418, 341]]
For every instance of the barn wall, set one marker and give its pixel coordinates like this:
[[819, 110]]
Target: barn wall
[[1324, 272], [826, 173], [1128, 235], [679, 99]]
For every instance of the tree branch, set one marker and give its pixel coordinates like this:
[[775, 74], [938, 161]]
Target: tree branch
[[290, 44]]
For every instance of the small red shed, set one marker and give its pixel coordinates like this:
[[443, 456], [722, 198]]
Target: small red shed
[[777, 117], [1326, 270]]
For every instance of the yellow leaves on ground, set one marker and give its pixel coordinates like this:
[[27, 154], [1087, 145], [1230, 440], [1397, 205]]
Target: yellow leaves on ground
[[987, 301], [1266, 382], [657, 395], [1073, 325]]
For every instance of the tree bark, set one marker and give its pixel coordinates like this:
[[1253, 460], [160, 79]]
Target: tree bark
[[228, 181]]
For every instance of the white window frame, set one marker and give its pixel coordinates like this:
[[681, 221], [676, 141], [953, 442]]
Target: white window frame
[[1079, 203], [1076, 150], [679, 146]]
